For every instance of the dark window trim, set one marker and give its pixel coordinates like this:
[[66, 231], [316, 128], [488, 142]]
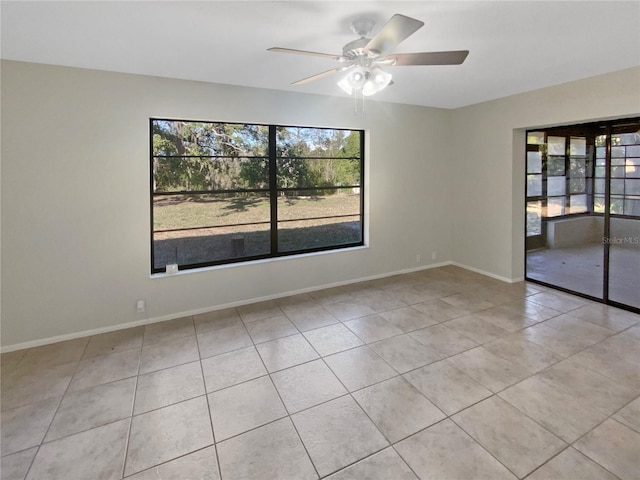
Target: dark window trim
[[272, 192]]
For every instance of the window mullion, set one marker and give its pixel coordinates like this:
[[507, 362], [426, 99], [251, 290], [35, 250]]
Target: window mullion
[[273, 189]]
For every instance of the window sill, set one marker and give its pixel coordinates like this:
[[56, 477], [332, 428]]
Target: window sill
[[256, 262]]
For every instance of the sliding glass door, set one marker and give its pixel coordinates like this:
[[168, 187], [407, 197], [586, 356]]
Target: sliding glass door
[[622, 240], [583, 210]]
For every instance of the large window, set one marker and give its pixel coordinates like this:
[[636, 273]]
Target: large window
[[228, 192]]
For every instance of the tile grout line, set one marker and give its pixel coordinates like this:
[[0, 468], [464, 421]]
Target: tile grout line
[[206, 396], [133, 405]]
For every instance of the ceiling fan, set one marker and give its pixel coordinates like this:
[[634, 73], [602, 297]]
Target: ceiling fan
[[365, 56]]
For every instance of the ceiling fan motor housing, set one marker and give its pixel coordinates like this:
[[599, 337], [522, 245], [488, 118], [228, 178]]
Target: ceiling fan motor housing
[[362, 26]]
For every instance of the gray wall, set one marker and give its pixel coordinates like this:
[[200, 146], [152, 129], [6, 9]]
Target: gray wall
[[75, 191], [488, 165], [75, 197]]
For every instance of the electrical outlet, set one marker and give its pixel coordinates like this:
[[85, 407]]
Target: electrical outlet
[[434, 255], [141, 306]]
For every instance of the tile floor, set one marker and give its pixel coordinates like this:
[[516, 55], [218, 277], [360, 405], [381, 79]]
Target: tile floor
[[441, 374]]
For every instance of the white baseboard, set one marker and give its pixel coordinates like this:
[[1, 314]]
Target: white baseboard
[[488, 274], [162, 318]]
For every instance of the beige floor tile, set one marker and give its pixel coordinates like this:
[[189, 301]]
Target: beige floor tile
[[532, 310], [408, 319], [616, 358], [271, 328], [571, 464], [22, 389], [505, 318], [112, 342], [332, 339], [435, 454], [93, 407], [514, 439], [25, 427], [105, 369], [359, 367], [561, 366], [169, 354], [372, 328], [380, 301], [337, 433], [475, 328], [9, 361], [404, 353], [558, 301], [488, 369], [15, 467], [166, 387], [468, 301], [495, 295], [276, 454], [348, 310], [520, 289], [222, 341], [232, 368], [12, 358], [446, 288], [615, 447], [245, 406], [168, 330], [54, 354], [606, 316], [81, 455], [397, 408], [633, 332], [443, 340], [384, 465], [531, 356], [310, 316], [568, 323], [259, 311], [168, 433], [565, 415], [216, 320], [439, 311], [366, 289], [293, 302], [306, 385], [602, 392], [412, 294], [200, 465], [561, 342], [630, 415], [332, 295], [286, 352], [448, 388]]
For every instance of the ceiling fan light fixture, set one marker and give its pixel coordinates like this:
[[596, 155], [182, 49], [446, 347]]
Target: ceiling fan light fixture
[[354, 80], [367, 80], [378, 80]]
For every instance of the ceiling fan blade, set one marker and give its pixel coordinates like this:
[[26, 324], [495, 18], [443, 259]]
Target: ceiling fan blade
[[454, 57], [320, 75], [331, 56], [394, 31]]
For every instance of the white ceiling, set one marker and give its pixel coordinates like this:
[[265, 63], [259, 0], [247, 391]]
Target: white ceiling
[[515, 46]]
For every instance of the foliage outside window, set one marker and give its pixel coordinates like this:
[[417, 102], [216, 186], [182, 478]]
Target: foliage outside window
[[228, 192]]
